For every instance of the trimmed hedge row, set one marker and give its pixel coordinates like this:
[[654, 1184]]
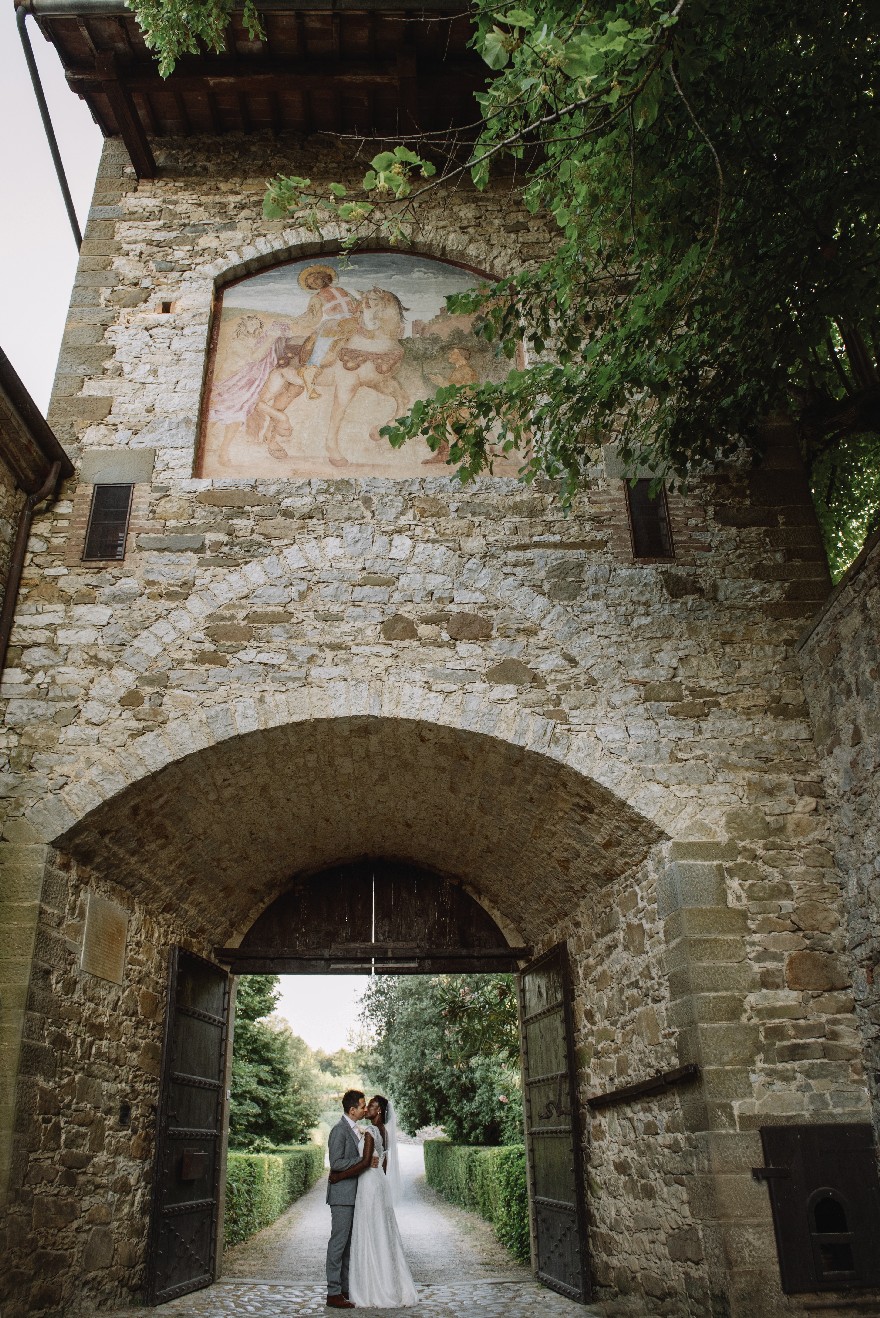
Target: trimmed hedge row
[[259, 1186], [492, 1182]]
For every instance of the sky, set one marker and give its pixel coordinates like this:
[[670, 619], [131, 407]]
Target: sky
[[37, 267], [37, 249], [322, 1009]]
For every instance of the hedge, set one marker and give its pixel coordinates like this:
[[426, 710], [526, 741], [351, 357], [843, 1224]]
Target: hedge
[[259, 1186], [492, 1182]]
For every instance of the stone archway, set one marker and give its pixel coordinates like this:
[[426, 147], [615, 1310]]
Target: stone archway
[[372, 916], [215, 837], [190, 855]]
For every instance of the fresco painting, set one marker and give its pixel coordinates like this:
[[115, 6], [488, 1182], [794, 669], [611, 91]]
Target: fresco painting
[[312, 358]]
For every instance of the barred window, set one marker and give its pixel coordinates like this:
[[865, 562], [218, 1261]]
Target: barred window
[[108, 522], [648, 521]]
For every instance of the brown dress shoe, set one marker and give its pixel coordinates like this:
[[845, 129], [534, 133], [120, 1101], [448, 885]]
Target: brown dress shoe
[[338, 1302]]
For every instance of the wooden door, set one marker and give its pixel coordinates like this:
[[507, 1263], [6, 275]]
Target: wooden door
[[373, 915], [552, 1120], [825, 1197], [189, 1137]]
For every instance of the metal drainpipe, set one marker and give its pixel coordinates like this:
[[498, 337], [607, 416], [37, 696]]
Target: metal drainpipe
[[48, 490], [21, 14]]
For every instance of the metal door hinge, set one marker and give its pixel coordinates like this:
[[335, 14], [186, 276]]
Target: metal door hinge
[[770, 1173]]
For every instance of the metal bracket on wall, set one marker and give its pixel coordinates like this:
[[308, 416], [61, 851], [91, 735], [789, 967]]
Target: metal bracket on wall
[[770, 1173], [655, 1085]]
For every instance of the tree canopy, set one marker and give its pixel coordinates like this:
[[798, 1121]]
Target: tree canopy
[[446, 1050], [274, 1090], [712, 172]]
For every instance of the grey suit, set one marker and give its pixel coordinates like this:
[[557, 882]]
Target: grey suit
[[342, 1147]]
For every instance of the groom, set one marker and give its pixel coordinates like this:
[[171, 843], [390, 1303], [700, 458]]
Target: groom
[[345, 1146]]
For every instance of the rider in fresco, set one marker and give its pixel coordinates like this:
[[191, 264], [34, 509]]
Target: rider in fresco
[[329, 317]]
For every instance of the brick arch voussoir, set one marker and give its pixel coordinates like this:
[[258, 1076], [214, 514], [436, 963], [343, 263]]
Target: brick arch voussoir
[[298, 243], [288, 566]]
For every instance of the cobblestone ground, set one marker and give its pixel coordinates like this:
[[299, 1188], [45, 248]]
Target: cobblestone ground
[[477, 1299], [459, 1268]]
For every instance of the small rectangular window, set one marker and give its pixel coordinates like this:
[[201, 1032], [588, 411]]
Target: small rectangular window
[[648, 521], [108, 522]]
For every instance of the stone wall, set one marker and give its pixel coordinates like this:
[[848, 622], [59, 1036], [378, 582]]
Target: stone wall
[[74, 1235], [641, 1159], [839, 657], [19, 889], [281, 676]]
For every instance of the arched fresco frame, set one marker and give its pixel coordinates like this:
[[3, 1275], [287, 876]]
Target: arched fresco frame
[[310, 357]]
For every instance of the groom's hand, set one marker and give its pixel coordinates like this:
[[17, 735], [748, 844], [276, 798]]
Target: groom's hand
[[335, 1177], [359, 1167]]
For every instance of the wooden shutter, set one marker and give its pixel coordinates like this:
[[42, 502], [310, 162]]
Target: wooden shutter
[[186, 1176], [648, 521], [552, 1120], [108, 523], [825, 1199]]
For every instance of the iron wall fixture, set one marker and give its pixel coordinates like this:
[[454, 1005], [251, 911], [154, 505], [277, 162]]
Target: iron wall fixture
[[680, 1075]]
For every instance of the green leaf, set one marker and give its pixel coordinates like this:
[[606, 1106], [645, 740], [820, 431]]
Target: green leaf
[[495, 49], [384, 161], [518, 18], [355, 210], [480, 174]]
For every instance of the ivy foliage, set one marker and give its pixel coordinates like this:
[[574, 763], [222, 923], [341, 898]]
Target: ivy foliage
[[712, 172]]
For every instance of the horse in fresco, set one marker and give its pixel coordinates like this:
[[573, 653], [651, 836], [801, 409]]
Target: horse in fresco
[[367, 359]]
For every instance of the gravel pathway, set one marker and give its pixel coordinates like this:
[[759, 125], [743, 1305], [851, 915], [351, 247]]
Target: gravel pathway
[[459, 1267], [442, 1242]]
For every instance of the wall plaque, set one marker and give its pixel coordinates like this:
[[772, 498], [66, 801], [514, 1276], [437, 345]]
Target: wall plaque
[[103, 949]]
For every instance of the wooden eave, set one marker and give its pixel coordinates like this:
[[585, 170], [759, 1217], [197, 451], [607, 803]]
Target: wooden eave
[[28, 447], [367, 69]]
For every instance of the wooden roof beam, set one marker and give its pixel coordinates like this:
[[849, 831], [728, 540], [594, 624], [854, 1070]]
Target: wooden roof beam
[[213, 113], [128, 121], [408, 94], [254, 74]]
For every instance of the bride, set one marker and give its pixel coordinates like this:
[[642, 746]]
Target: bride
[[379, 1277]]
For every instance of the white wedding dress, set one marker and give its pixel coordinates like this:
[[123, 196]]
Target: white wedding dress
[[378, 1277]]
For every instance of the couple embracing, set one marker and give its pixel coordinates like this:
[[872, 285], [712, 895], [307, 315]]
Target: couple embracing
[[365, 1262]]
